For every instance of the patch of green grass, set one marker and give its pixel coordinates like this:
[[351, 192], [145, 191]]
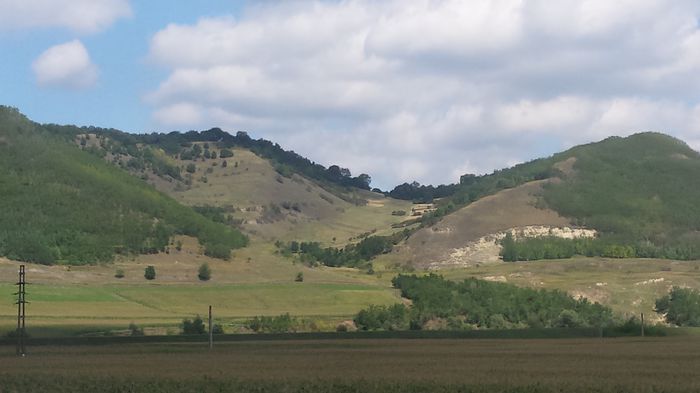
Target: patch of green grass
[[88, 306]]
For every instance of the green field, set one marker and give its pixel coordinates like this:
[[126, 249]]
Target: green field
[[85, 308], [367, 365]]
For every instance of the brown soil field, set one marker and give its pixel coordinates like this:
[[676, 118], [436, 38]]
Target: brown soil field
[[563, 365]]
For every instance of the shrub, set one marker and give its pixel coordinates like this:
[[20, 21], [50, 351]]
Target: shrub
[[299, 277], [195, 326], [280, 324], [225, 153], [119, 273], [150, 273], [204, 273], [135, 330], [219, 251], [680, 307]]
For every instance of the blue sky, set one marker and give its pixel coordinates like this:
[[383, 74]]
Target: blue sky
[[401, 89], [120, 51]]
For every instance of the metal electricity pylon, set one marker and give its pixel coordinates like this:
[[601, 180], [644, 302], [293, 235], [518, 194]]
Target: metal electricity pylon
[[21, 312]]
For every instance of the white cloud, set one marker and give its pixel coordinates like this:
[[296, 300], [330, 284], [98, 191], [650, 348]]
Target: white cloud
[[409, 90], [65, 66], [179, 115], [82, 16]]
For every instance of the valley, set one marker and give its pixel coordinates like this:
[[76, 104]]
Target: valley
[[277, 199]]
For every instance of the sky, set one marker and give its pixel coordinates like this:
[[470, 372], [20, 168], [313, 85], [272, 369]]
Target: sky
[[403, 90]]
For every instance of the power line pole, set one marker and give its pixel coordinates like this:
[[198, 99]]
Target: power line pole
[[21, 312], [211, 331]]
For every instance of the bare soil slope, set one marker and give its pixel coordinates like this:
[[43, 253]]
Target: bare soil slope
[[512, 208]]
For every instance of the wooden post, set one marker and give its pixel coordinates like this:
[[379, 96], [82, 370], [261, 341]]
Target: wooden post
[[211, 330], [642, 324]]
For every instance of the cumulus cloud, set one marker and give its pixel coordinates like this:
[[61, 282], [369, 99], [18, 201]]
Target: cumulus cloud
[[65, 66], [427, 88], [83, 16]]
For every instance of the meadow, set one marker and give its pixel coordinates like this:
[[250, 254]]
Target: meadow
[[57, 310], [368, 365]]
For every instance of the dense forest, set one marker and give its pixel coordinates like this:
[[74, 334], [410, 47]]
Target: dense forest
[[61, 205], [478, 304]]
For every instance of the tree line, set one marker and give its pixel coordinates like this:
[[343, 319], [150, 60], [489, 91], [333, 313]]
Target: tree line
[[353, 255], [478, 304]]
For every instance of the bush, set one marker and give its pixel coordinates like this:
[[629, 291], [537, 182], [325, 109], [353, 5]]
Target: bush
[[204, 273], [219, 251], [191, 168], [280, 324], [299, 277], [217, 329], [135, 330], [119, 273], [150, 273], [680, 307], [195, 326], [225, 153]]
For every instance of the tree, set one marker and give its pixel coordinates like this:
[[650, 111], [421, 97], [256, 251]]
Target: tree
[[135, 330], [195, 326], [150, 273], [681, 306], [225, 153], [191, 168], [509, 252], [204, 273], [294, 246]]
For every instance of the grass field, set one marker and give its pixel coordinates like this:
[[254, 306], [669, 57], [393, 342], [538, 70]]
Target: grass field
[[371, 365], [85, 308]]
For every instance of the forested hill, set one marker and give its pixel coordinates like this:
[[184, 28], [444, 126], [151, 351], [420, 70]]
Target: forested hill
[[640, 193], [179, 144], [63, 205]]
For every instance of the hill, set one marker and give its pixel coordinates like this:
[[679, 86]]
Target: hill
[[637, 193], [62, 205], [254, 185]]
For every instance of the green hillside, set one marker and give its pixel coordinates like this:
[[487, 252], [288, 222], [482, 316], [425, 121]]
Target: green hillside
[[62, 205], [640, 193], [641, 189]]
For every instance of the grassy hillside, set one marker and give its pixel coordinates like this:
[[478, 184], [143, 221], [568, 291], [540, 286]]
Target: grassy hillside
[[241, 182], [62, 205], [640, 193]]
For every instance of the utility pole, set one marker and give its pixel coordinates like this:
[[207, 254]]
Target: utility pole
[[211, 330], [21, 301]]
